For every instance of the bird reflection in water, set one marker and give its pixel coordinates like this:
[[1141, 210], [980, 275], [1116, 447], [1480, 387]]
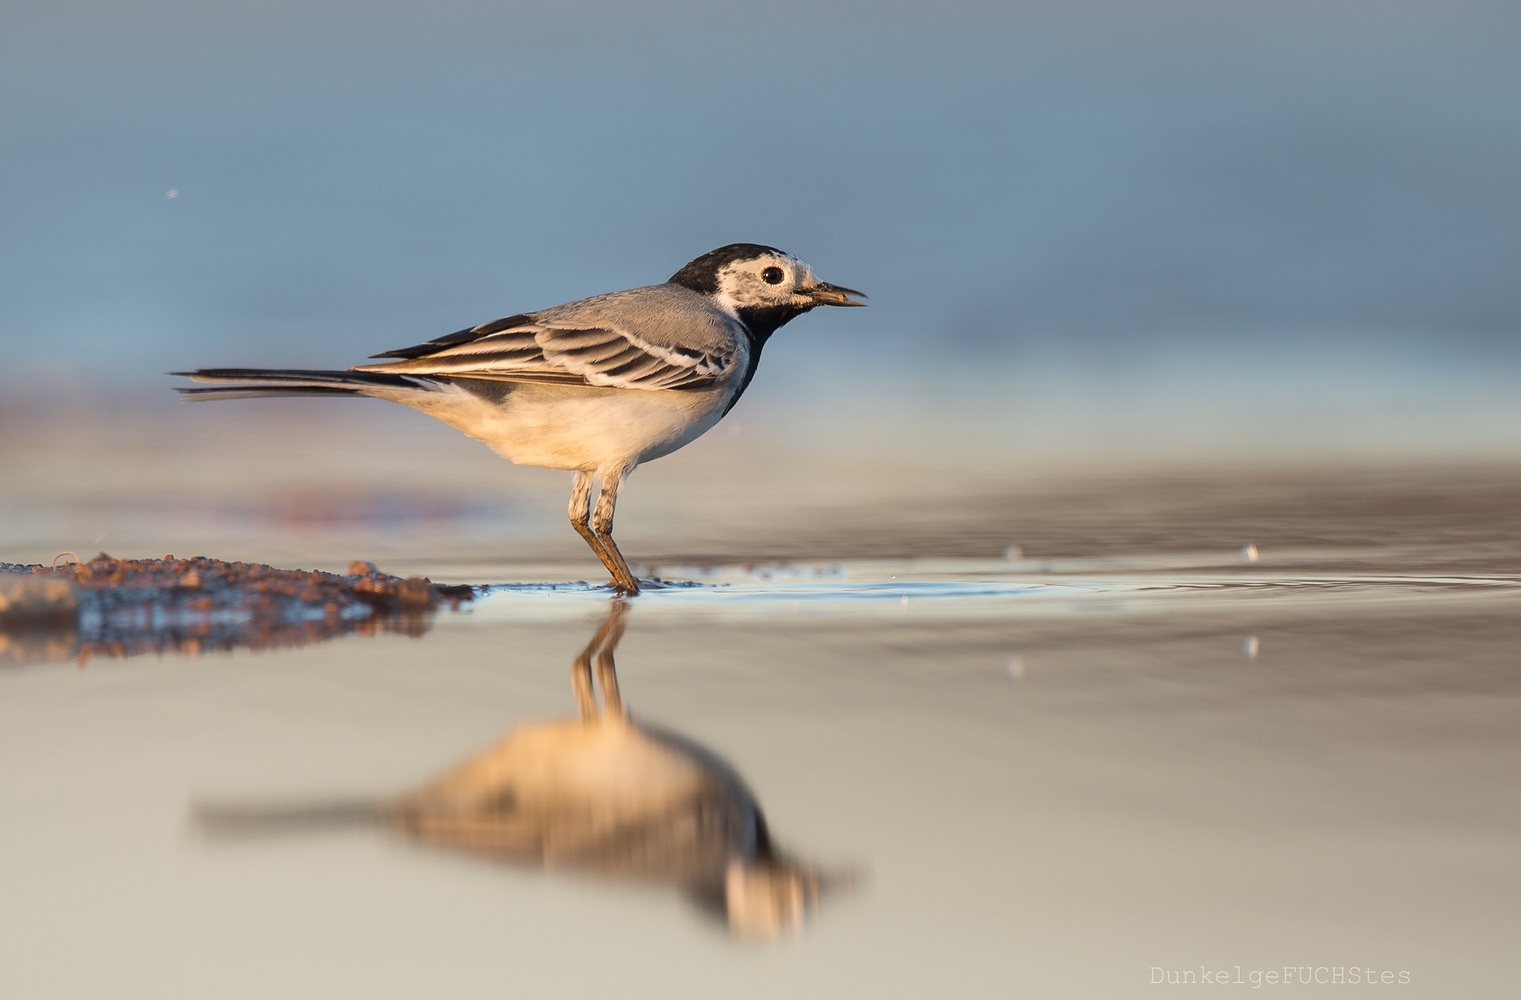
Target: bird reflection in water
[[601, 794]]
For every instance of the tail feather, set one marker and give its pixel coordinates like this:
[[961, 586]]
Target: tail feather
[[248, 820], [249, 383]]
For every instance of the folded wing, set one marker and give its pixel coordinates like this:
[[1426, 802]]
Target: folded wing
[[642, 339]]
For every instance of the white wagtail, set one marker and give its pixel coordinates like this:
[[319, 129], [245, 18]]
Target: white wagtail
[[595, 386], [602, 794]]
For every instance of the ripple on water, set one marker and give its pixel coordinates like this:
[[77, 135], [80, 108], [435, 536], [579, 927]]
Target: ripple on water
[[998, 587]]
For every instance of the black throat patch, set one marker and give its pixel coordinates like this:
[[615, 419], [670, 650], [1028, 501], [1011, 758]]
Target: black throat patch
[[763, 321], [760, 323]]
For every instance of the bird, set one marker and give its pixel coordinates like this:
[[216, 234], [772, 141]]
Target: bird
[[603, 793], [597, 386]]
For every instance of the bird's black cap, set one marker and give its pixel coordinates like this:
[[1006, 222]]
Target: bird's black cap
[[701, 275]]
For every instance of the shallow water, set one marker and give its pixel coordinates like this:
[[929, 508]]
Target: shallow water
[[1045, 776]]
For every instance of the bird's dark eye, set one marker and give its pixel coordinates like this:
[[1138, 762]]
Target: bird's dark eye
[[772, 276]]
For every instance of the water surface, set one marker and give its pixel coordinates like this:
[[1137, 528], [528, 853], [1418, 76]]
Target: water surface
[[1039, 776]]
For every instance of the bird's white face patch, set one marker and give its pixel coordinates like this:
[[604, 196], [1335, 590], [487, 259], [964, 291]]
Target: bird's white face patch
[[772, 280]]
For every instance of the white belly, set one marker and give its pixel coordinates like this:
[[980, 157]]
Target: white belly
[[575, 427]]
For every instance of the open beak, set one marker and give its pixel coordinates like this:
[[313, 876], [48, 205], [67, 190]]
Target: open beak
[[825, 294]]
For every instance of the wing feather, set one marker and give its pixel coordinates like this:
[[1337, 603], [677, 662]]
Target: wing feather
[[636, 346], [460, 336]]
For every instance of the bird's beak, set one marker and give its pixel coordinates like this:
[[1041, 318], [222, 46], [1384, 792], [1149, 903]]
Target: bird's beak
[[825, 294]]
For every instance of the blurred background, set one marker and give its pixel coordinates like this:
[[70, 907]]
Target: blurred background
[[1189, 379], [1099, 238]]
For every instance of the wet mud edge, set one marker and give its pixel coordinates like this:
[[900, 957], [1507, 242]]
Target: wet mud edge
[[125, 607]]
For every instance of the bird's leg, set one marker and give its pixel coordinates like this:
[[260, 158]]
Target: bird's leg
[[600, 539], [602, 527], [607, 635], [581, 683], [580, 519], [607, 671]]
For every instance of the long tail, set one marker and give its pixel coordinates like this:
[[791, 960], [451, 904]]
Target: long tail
[[247, 383], [255, 820]]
